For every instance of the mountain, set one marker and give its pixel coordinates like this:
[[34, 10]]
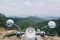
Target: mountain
[[35, 19], [51, 18]]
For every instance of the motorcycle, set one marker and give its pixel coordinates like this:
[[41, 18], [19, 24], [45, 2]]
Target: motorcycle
[[30, 33]]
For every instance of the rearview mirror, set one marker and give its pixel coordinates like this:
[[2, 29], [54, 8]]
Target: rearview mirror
[[10, 22], [51, 24]]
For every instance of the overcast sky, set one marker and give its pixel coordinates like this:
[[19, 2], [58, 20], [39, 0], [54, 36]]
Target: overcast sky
[[24, 8]]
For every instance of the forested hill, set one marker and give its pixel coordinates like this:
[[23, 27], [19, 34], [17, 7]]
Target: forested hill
[[30, 19]]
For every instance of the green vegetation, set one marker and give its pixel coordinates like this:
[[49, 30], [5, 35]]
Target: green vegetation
[[30, 22]]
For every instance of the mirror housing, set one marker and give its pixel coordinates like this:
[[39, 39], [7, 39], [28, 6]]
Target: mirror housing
[[10, 23], [51, 24]]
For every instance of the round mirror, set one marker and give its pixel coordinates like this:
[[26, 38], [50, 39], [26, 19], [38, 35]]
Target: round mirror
[[51, 24], [10, 23], [30, 32]]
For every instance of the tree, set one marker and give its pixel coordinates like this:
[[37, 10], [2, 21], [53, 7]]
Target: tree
[[2, 20]]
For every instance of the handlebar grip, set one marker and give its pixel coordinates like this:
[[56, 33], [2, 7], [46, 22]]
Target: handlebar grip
[[10, 35], [17, 35]]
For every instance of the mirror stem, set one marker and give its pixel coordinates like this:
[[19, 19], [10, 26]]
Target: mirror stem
[[44, 27], [18, 27]]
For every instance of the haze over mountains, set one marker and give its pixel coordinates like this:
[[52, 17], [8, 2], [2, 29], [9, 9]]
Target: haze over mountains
[[35, 17]]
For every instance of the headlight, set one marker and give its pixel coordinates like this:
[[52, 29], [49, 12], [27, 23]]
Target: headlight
[[30, 32]]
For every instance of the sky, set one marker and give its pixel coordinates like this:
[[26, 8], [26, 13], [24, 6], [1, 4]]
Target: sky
[[25, 8]]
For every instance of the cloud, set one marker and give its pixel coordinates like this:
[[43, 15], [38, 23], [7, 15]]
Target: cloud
[[6, 0], [52, 7], [27, 3], [13, 4], [39, 3], [30, 7], [52, 0]]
